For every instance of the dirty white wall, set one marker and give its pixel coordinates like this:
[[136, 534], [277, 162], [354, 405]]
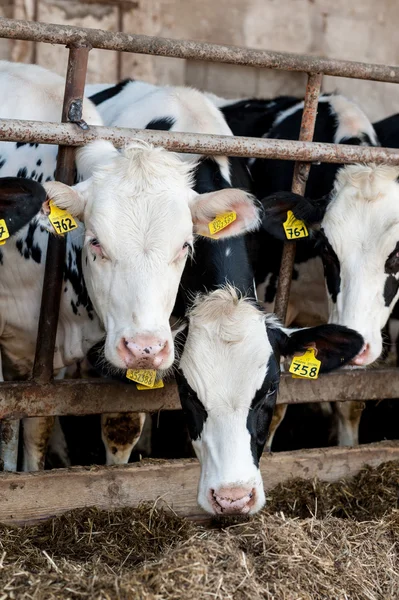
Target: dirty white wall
[[364, 30]]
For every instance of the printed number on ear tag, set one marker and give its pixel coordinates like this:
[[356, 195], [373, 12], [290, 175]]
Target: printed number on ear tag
[[294, 228], [144, 377], [4, 233], [221, 221], [60, 219], [306, 366]]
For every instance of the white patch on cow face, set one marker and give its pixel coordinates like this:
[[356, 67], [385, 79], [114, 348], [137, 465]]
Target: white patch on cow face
[[362, 225], [225, 362]]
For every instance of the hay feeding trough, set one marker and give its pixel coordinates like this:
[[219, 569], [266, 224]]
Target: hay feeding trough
[[313, 541]]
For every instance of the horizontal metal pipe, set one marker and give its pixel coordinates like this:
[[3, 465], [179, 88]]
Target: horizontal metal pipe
[[143, 44], [14, 130], [94, 396]]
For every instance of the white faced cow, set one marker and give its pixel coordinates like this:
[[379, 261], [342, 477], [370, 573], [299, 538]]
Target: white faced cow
[[228, 380], [356, 232], [123, 265]]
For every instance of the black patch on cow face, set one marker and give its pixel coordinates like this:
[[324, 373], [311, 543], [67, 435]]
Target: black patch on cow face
[[391, 268], [20, 144], [193, 409], [161, 124], [390, 289], [39, 162], [73, 273], [109, 92], [392, 262], [2, 162], [262, 407], [332, 269]]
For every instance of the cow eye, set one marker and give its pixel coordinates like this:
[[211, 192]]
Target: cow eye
[[186, 249], [96, 247]]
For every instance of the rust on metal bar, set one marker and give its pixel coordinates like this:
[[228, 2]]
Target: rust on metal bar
[[301, 174], [95, 396], [143, 44], [14, 130], [53, 275]]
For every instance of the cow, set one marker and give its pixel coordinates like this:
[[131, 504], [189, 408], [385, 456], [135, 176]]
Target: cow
[[339, 120], [142, 105], [355, 232], [228, 379], [122, 267]]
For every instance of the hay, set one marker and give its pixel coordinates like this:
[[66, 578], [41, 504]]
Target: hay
[[348, 550]]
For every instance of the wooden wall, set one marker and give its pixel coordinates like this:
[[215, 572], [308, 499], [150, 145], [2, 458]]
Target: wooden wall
[[362, 30]]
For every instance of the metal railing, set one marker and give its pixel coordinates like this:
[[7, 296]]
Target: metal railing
[[42, 396]]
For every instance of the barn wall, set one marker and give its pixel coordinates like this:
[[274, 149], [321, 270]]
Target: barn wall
[[362, 30]]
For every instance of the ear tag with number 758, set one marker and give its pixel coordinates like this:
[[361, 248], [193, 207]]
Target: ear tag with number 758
[[306, 366], [294, 228], [60, 219]]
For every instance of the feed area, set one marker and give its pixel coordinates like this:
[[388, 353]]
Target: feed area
[[198, 329]]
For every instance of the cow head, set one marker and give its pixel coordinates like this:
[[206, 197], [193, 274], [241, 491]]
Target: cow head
[[356, 231], [228, 377], [140, 215]]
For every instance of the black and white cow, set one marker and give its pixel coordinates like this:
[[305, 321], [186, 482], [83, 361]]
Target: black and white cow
[[138, 104], [228, 380], [123, 264]]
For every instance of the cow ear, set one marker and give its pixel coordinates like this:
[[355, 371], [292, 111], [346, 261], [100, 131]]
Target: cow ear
[[276, 207], [205, 207], [20, 201], [72, 199], [335, 345]]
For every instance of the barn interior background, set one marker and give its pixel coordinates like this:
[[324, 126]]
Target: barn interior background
[[363, 30]]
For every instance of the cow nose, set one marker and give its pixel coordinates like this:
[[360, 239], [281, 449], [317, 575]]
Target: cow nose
[[144, 351], [233, 500], [363, 357]]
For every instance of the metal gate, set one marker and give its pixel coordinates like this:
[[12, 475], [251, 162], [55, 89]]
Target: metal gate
[[42, 396]]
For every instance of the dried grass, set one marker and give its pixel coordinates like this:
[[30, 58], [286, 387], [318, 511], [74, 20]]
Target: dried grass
[[348, 550]]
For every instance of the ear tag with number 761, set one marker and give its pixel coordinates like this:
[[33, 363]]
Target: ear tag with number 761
[[60, 219], [294, 228], [306, 366]]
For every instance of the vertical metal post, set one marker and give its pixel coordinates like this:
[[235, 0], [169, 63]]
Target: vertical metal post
[[301, 173], [65, 172]]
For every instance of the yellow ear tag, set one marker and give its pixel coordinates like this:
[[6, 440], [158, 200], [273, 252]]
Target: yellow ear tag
[[221, 221], [294, 228], [157, 385], [306, 366], [142, 376], [4, 233], [61, 220]]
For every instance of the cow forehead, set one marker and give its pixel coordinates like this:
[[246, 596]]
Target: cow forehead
[[364, 215], [144, 219], [225, 364]]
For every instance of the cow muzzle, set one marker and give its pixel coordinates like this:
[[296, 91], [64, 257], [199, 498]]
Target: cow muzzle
[[233, 500], [145, 352]]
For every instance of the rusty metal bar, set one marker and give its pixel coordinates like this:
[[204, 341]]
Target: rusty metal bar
[[143, 44], [301, 174], [94, 396], [14, 130], [65, 172]]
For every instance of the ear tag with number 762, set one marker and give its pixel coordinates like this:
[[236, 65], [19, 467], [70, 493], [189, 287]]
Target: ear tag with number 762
[[294, 228], [60, 219], [306, 366]]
